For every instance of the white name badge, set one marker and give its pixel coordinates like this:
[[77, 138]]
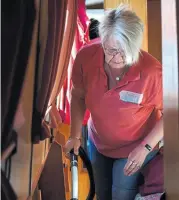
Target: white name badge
[[132, 97]]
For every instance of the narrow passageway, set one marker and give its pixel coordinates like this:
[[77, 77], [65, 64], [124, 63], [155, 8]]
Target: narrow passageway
[[54, 52]]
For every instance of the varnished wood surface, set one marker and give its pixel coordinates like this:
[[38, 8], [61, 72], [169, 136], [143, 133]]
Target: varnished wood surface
[[170, 59], [154, 28]]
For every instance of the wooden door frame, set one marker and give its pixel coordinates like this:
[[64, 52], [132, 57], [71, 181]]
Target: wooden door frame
[[170, 60]]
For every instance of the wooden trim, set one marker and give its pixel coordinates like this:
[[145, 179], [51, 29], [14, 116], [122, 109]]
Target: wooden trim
[[8, 151], [35, 182], [170, 36], [95, 6]]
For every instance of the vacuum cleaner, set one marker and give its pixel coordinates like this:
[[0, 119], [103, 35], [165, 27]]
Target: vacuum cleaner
[[74, 174]]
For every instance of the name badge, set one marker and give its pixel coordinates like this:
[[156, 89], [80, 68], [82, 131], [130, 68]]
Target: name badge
[[132, 97]]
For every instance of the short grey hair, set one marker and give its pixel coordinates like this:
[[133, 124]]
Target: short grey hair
[[126, 28]]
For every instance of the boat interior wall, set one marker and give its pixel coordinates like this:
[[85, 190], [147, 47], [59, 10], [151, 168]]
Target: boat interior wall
[[170, 60], [39, 42]]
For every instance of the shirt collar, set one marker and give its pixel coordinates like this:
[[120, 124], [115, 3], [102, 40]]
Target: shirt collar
[[133, 74]]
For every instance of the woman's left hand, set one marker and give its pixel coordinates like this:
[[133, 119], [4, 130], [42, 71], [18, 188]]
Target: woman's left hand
[[135, 160]]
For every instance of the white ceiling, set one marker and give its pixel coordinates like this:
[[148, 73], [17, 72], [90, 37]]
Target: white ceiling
[[92, 2]]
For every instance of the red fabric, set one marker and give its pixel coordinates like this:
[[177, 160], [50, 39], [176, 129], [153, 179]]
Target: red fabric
[[153, 174], [118, 125], [81, 39]]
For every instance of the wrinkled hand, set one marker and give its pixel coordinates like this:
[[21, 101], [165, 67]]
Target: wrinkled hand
[[71, 144], [135, 160]]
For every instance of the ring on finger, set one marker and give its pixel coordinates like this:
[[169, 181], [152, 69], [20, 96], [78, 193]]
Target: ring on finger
[[133, 162]]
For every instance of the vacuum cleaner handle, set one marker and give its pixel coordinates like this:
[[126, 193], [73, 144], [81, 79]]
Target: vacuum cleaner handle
[[74, 174]]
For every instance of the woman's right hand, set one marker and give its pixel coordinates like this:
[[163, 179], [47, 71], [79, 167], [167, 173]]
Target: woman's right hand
[[72, 143]]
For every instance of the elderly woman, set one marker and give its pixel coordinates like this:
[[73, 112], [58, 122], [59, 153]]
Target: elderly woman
[[121, 85]]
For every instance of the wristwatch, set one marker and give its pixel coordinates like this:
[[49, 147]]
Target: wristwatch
[[78, 138], [147, 146]]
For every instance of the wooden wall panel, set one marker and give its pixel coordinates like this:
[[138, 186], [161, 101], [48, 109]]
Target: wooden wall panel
[[170, 36], [140, 7], [51, 182], [37, 162], [154, 29]]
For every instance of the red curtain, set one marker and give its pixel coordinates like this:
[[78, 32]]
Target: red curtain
[[81, 39], [57, 11], [63, 60]]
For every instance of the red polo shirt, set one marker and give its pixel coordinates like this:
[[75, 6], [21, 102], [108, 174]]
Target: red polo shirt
[[120, 117]]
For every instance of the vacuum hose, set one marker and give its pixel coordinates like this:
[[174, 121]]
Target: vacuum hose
[[74, 174]]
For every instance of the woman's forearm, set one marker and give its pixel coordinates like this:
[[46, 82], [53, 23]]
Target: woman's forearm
[[77, 115], [155, 135]]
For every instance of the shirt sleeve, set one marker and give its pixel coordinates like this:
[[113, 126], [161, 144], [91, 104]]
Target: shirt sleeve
[[159, 96], [154, 94], [77, 72]]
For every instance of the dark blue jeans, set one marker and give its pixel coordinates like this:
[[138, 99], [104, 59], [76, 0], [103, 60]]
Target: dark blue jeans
[[110, 181]]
